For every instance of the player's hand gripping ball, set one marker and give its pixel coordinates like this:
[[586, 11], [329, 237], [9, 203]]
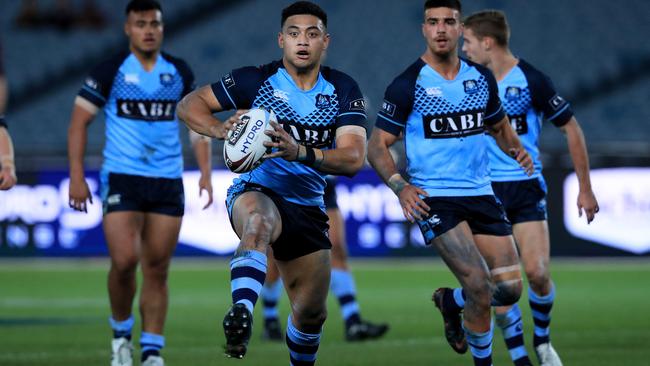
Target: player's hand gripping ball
[[244, 146]]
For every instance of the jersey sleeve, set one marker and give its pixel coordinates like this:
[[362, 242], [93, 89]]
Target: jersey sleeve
[[494, 111], [547, 100], [98, 84], [396, 106], [352, 107], [189, 83], [237, 89]]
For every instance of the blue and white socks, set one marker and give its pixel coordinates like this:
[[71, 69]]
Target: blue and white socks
[[247, 274], [122, 328], [541, 307], [342, 285], [302, 346], [513, 334], [480, 345], [151, 344]]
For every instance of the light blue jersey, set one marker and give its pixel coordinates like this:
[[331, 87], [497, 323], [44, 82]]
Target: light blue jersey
[[444, 123], [142, 133], [310, 116], [528, 97]]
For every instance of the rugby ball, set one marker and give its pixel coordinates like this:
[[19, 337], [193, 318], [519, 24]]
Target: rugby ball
[[244, 146]]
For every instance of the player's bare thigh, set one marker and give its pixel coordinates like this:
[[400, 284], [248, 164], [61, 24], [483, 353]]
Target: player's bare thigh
[[160, 237], [251, 202], [306, 280], [337, 238], [123, 232], [534, 247], [460, 253]]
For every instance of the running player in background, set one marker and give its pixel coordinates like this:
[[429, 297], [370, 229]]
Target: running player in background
[[142, 188], [7, 165], [342, 282], [320, 131], [529, 97], [443, 104]]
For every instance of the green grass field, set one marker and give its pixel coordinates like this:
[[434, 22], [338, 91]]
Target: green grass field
[[55, 313]]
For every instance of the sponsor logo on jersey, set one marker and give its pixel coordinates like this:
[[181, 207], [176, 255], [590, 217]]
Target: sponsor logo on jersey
[[358, 105], [236, 134], [92, 83], [434, 91], [166, 79], [557, 102], [147, 110], [131, 78], [460, 124], [323, 101], [281, 94], [519, 123], [471, 86], [228, 81], [388, 108], [314, 136], [512, 93]]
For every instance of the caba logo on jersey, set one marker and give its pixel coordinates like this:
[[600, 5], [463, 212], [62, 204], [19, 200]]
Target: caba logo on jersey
[[323, 101], [512, 93], [314, 136], [453, 125], [236, 134], [471, 86], [166, 79], [519, 123], [147, 110]]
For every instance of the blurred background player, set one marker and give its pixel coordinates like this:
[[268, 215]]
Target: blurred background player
[[341, 282], [142, 189], [444, 105], [529, 97], [280, 203], [7, 165]]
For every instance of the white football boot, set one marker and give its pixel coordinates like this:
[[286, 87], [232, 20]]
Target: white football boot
[[154, 361], [121, 352], [547, 355]]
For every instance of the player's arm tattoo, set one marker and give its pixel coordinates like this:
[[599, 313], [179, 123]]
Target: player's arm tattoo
[[397, 183]]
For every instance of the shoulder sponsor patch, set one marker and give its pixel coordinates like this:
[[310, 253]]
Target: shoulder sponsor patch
[[228, 81], [557, 102], [359, 105], [388, 108]]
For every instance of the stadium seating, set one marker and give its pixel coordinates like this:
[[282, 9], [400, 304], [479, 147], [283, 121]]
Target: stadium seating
[[583, 46]]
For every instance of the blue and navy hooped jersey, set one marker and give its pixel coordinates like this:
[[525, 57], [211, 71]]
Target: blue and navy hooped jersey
[[528, 97], [310, 116], [444, 123], [140, 106]]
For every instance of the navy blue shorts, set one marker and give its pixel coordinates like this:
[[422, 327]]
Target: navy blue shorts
[[330, 193], [124, 192], [304, 228], [523, 200], [484, 214]]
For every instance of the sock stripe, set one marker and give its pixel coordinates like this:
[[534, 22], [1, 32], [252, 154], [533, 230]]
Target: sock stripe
[[247, 272], [295, 362], [541, 323], [515, 322], [269, 303], [480, 347], [514, 342], [346, 299], [301, 348], [542, 308], [244, 294]]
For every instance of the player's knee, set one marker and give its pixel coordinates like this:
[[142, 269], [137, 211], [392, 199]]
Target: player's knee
[[258, 229], [310, 318], [124, 266], [538, 278], [506, 292]]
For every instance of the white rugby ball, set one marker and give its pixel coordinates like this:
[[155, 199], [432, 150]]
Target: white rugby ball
[[244, 147]]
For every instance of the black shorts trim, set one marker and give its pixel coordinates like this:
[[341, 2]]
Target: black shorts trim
[[125, 192], [305, 229], [523, 200], [484, 214]]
